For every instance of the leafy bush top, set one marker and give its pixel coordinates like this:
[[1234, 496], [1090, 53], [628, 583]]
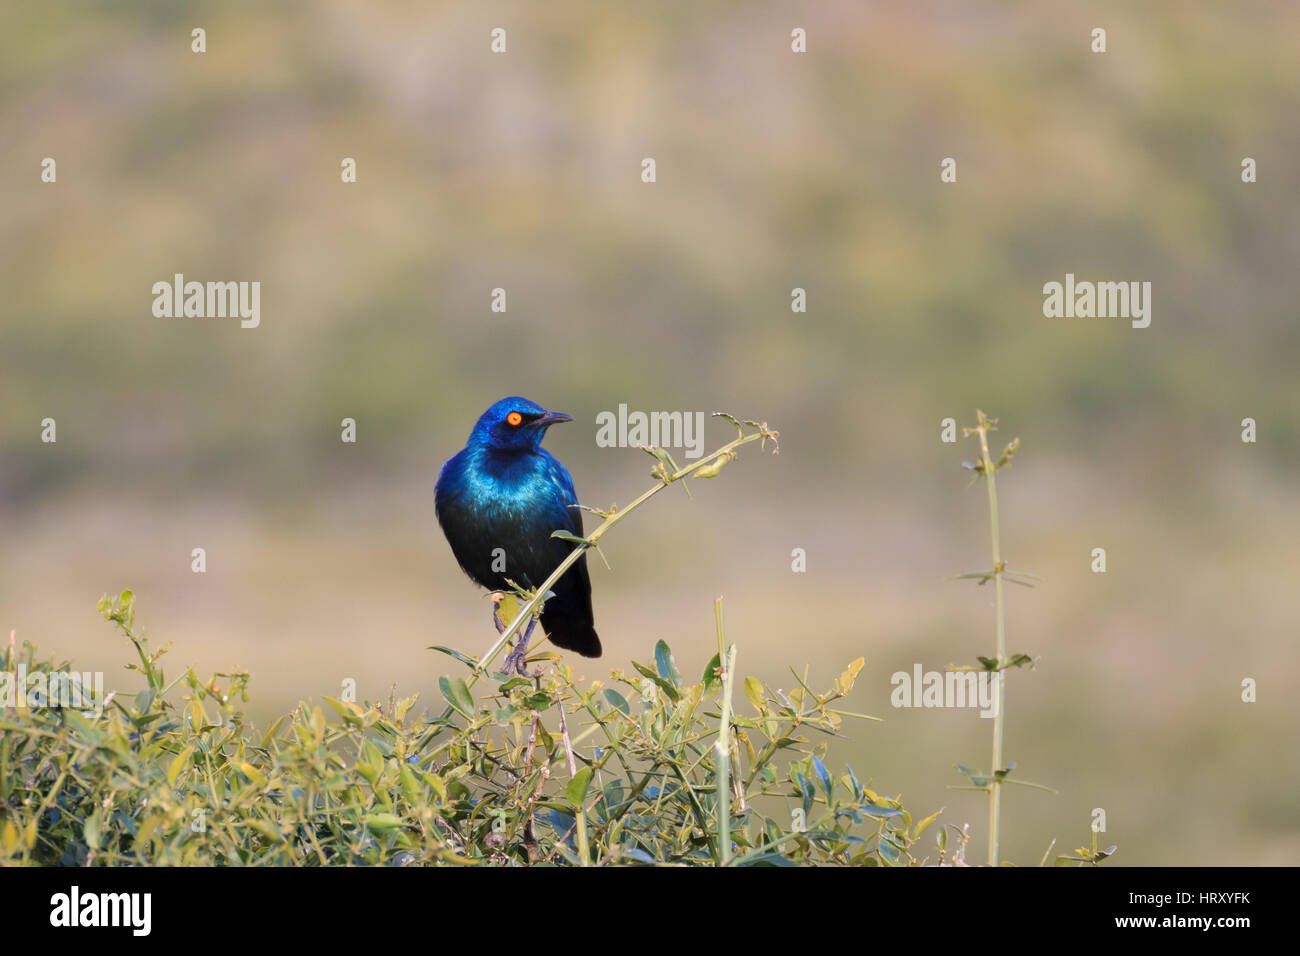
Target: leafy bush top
[[546, 770]]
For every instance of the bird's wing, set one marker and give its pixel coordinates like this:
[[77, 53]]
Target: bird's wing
[[567, 497], [568, 616]]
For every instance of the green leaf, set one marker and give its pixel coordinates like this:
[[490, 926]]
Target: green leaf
[[577, 787], [350, 712], [754, 691], [270, 733], [410, 786], [568, 536], [730, 419], [539, 701], [176, 766], [667, 666], [802, 784], [824, 776], [924, 824], [710, 677], [976, 777], [91, 830], [252, 773], [847, 679], [371, 764], [457, 694], [450, 652], [436, 782], [9, 837], [611, 796], [383, 821], [562, 823], [888, 851], [636, 854], [266, 828], [854, 784], [664, 685], [618, 701], [665, 460]]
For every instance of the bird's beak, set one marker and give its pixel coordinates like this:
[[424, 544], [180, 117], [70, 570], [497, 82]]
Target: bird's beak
[[551, 418]]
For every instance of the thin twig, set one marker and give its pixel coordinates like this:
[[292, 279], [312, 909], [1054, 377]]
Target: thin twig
[[584, 851]]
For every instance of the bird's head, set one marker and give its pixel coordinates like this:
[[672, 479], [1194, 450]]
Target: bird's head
[[515, 424]]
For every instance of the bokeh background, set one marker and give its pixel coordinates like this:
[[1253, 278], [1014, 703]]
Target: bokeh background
[[775, 170]]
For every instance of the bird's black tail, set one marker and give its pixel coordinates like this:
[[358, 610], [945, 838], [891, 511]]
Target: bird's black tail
[[571, 633]]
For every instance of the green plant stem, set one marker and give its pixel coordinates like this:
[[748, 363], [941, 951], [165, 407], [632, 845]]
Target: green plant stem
[[593, 539], [995, 783], [701, 818], [580, 811], [724, 745]]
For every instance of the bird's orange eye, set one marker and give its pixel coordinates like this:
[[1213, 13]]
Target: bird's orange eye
[[515, 419]]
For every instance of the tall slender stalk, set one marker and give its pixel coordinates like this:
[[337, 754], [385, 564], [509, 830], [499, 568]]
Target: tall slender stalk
[[728, 661], [995, 781]]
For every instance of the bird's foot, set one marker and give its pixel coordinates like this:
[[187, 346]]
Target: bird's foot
[[515, 659], [515, 663], [496, 597]]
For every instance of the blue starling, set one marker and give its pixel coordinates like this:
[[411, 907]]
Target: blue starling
[[498, 500]]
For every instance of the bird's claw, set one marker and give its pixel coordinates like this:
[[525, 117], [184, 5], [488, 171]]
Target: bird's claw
[[515, 662], [515, 659]]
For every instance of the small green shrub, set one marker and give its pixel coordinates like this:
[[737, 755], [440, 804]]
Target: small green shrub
[[546, 770]]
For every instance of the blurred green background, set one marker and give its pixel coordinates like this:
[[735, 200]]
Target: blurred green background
[[775, 170]]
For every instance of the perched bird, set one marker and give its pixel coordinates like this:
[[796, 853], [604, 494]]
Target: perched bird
[[498, 500]]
